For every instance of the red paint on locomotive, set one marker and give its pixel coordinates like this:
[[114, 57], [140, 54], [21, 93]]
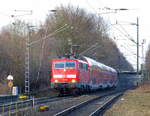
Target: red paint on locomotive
[[82, 74]]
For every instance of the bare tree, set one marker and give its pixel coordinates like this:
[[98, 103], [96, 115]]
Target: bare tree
[[78, 27]]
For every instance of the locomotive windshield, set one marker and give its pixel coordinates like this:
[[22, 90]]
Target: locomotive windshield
[[63, 64], [60, 64], [70, 64]]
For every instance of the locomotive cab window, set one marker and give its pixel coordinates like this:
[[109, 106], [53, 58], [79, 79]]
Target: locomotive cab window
[[64, 64], [70, 64], [60, 64]]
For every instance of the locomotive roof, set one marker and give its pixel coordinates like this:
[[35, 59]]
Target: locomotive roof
[[95, 63]]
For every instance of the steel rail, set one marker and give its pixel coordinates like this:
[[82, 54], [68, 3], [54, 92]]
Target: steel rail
[[103, 107], [76, 107], [31, 102]]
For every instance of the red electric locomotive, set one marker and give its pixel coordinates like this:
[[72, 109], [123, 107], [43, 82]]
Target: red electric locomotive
[[75, 75]]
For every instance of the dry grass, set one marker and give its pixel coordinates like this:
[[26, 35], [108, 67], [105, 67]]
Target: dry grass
[[133, 103]]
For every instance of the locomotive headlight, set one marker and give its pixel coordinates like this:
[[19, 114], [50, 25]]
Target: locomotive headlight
[[71, 76], [56, 81], [58, 76], [73, 81]]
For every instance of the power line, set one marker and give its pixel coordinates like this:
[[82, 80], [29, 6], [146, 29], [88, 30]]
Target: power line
[[88, 49], [6, 15], [41, 56], [124, 34], [51, 34], [129, 50], [131, 38], [89, 4], [27, 55]]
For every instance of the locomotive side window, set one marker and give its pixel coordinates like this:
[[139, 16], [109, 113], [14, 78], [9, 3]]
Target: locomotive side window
[[86, 67], [70, 63], [60, 64], [83, 66]]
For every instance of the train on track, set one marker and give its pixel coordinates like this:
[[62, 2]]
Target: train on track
[[72, 75]]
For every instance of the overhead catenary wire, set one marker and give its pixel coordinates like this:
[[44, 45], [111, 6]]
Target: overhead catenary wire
[[124, 34], [50, 35], [6, 15], [42, 49], [41, 56], [131, 38], [129, 50], [88, 49], [93, 48], [133, 60], [126, 47], [28, 45], [89, 4]]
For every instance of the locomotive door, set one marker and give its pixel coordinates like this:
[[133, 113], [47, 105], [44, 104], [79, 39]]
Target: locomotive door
[[91, 72]]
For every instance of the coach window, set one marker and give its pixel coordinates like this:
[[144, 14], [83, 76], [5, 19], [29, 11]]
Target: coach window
[[86, 67]]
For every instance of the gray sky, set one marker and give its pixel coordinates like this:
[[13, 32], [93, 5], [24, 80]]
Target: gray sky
[[138, 8]]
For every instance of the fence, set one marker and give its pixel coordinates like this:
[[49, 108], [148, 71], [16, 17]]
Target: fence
[[8, 98], [20, 108]]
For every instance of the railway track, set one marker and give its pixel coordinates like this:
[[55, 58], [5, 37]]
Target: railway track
[[58, 106], [92, 107], [13, 107], [100, 110]]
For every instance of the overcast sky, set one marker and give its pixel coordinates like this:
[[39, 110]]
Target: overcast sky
[[137, 8]]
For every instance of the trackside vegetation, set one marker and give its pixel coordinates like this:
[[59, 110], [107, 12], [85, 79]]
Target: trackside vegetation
[[79, 28], [132, 103]]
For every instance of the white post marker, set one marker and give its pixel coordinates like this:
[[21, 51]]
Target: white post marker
[[10, 78], [10, 82]]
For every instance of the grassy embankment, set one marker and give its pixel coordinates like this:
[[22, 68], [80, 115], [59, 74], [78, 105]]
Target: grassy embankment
[[132, 103]]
